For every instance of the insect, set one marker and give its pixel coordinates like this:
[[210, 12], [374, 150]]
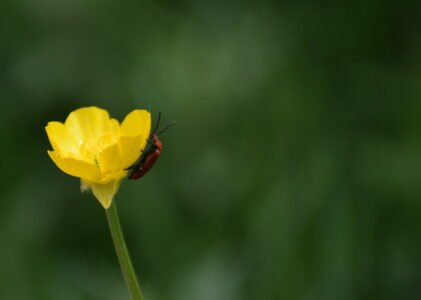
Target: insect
[[151, 154]]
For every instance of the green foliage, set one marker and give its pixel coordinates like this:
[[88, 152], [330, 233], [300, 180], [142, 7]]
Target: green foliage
[[293, 172]]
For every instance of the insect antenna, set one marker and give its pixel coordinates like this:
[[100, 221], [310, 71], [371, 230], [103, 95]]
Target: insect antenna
[[157, 123], [166, 127]]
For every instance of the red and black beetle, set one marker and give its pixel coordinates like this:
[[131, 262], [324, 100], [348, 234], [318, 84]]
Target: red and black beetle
[[151, 154]]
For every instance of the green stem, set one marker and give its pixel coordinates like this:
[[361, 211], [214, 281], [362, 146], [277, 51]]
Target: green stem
[[123, 253]]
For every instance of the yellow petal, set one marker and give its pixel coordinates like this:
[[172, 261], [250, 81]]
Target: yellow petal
[[74, 167], [138, 122], [88, 124], [61, 140], [106, 141], [130, 149], [109, 159], [112, 176], [104, 193], [122, 155]]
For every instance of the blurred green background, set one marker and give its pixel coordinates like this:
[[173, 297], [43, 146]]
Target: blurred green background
[[294, 171]]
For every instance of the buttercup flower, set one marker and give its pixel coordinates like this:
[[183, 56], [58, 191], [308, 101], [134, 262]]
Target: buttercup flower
[[97, 149]]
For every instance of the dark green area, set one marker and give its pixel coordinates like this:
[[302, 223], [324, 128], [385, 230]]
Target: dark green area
[[294, 171]]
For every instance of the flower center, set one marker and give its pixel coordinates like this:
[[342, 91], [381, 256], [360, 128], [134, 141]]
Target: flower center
[[89, 150]]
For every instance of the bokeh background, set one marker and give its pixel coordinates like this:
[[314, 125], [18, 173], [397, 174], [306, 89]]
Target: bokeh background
[[294, 171]]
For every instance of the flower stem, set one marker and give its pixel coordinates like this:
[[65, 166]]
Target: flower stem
[[123, 253]]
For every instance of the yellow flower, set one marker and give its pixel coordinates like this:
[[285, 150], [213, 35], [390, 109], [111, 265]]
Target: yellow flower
[[97, 149]]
